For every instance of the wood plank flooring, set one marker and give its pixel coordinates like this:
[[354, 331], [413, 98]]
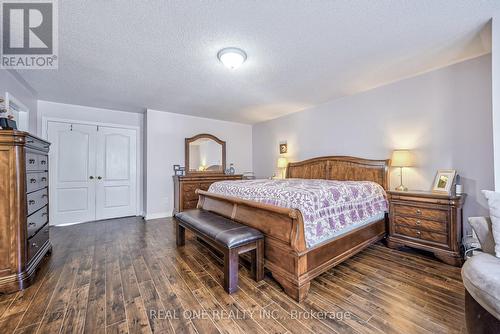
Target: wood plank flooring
[[126, 276]]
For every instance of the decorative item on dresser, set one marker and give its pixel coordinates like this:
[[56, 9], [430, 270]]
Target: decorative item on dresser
[[24, 227], [428, 221]]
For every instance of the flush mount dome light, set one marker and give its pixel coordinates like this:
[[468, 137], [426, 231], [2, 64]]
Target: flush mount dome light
[[232, 58]]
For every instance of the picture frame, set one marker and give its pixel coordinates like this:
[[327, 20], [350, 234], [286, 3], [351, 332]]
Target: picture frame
[[179, 171], [283, 148], [443, 181]]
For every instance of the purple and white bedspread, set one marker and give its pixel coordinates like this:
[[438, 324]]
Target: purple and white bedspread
[[328, 207]]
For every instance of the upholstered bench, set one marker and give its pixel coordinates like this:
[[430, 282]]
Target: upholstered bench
[[228, 237]]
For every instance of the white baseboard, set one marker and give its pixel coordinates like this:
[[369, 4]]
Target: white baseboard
[[158, 215]]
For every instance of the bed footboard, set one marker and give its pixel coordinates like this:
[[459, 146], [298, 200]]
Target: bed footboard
[[286, 255]]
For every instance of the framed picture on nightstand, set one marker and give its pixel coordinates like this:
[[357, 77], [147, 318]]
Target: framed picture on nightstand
[[444, 181]]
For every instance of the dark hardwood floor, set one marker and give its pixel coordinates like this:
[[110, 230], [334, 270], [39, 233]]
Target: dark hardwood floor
[[126, 276]]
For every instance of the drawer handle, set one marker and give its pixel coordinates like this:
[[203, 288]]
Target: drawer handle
[[34, 245], [44, 179], [29, 141], [46, 231], [44, 195], [43, 162], [44, 214], [419, 233], [32, 180], [31, 202], [419, 212], [31, 224], [418, 222], [31, 161]]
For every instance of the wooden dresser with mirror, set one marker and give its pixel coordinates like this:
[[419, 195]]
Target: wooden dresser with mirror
[[24, 202], [205, 163]]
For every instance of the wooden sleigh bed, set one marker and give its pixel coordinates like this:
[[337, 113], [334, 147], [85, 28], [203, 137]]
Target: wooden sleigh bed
[[286, 256]]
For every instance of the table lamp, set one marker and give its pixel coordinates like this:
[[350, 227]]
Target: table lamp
[[282, 164], [401, 159]]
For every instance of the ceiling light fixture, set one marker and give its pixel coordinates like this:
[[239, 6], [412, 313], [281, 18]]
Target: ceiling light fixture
[[232, 58]]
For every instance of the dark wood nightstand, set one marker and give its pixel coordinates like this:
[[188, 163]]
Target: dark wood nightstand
[[427, 221]]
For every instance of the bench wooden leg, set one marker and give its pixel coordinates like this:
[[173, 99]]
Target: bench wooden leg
[[231, 270], [257, 266], [180, 234]]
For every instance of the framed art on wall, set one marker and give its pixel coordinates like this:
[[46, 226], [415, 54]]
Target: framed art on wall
[[444, 181]]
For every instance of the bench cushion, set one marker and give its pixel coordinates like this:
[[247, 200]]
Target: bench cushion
[[225, 231]]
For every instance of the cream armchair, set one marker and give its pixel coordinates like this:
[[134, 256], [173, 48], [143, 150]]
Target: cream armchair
[[481, 277]]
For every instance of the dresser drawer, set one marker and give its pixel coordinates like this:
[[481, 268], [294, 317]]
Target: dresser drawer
[[189, 190], [36, 242], [37, 220], [190, 196], [189, 187], [31, 161], [421, 224], [205, 185], [433, 214], [43, 162], [37, 200], [190, 204], [419, 234], [36, 162], [35, 181]]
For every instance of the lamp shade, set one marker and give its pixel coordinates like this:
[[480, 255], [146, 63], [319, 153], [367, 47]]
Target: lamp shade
[[402, 158], [282, 163]]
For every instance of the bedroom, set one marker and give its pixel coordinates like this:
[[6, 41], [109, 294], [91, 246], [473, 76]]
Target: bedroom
[[256, 124]]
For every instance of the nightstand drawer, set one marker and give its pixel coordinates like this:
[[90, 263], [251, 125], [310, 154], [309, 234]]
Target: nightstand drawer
[[421, 224], [433, 214], [424, 235]]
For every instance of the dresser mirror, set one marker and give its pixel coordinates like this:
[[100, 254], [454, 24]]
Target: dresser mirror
[[205, 154]]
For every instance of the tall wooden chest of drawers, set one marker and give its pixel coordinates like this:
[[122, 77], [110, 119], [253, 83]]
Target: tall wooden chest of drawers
[[24, 199], [185, 197], [428, 221]]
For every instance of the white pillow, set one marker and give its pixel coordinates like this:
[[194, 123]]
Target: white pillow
[[494, 204]]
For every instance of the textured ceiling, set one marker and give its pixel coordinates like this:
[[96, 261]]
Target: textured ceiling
[[157, 54]]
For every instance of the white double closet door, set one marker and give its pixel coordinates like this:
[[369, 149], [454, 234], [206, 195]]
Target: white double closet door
[[93, 172]]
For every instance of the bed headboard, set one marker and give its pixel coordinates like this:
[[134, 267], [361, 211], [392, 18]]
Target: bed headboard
[[341, 168]]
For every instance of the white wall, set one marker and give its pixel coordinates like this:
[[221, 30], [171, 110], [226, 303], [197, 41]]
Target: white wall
[[13, 84], [70, 112], [445, 116], [165, 134]]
